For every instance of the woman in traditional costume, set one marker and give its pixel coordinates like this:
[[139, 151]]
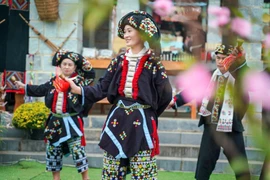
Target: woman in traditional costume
[[64, 131], [137, 85]]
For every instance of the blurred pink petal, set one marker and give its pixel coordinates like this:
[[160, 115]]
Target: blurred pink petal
[[222, 20], [224, 11], [219, 21], [214, 23], [222, 15], [258, 83], [267, 41], [194, 82], [241, 27], [219, 11], [163, 7], [214, 10]]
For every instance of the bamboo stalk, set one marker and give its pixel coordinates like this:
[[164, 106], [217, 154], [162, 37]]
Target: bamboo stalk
[[45, 40], [2, 21], [63, 43]]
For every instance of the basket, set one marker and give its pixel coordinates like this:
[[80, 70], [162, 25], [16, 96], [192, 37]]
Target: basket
[[47, 9]]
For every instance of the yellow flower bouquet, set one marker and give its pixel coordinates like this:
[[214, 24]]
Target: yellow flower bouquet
[[30, 115]]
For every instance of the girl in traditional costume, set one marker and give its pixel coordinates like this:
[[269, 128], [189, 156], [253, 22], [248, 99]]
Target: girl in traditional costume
[[137, 85], [64, 128]]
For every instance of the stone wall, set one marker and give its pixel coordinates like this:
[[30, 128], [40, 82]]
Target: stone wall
[[213, 36], [250, 9]]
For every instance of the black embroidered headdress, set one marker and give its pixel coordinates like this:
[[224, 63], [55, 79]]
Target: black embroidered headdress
[[84, 68], [145, 24], [224, 49]]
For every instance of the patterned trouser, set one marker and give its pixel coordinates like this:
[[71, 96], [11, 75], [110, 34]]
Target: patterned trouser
[[142, 166], [54, 156]]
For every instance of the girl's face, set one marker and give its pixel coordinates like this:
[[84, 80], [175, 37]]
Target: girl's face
[[67, 67], [132, 37]]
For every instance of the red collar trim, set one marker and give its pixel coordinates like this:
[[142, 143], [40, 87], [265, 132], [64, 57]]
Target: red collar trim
[[137, 75], [123, 77]]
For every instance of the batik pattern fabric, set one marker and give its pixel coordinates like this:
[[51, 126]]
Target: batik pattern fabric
[[10, 77], [141, 166], [218, 99], [54, 155], [133, 120]]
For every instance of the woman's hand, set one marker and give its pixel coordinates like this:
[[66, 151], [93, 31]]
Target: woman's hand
[[171, 104], [19, 84], [74, 88]]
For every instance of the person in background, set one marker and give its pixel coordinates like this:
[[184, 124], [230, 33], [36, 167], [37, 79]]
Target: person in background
[[64, 130], [221, 114], [137, 85]]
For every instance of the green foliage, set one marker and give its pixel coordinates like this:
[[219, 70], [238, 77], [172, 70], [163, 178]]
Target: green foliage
[[236, 12], [96, 11], [30, 116]]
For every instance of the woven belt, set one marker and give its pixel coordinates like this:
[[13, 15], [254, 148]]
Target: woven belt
[[135, 106], [64, 115]]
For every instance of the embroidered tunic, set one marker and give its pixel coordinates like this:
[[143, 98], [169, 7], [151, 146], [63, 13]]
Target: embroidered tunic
[[137, 103], [67, 109]]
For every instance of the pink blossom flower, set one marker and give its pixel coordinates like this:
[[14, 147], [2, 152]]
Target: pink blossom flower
[[222, 15], [163, 7], [258, 84], [223, 20], [219, 11], [213, 10], [267, 41], [241, 27], [194, 82]]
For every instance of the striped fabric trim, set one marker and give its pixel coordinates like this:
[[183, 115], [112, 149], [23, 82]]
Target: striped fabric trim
[[16, 4], [20, 5]]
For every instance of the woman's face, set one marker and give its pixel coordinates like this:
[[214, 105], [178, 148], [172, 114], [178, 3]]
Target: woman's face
[[132, 37], [67, 67], [219, 60]]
